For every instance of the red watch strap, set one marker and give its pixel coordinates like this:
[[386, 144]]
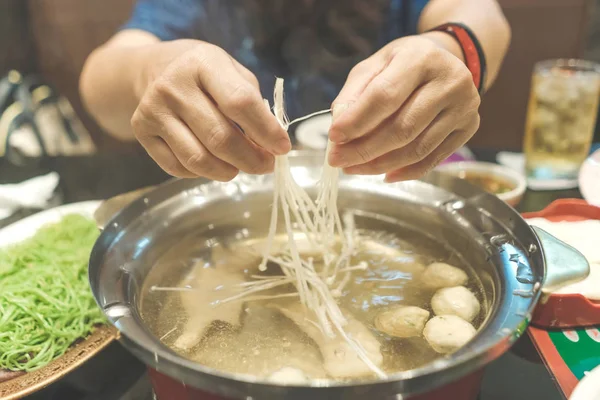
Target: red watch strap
[[472, 51]]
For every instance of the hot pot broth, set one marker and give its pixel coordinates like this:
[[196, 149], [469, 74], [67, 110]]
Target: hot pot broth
[[252, 335]]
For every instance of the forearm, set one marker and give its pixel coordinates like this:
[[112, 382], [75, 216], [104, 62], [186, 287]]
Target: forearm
[[486, 20], [110, 80], [116, 75]]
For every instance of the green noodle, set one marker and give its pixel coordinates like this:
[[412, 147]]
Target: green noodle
[[45, 299]]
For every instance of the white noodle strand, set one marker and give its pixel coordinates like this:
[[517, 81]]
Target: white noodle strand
[[319, 223]]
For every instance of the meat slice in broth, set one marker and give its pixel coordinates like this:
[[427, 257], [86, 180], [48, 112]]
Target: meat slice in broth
[[339, 359], [208, 286]]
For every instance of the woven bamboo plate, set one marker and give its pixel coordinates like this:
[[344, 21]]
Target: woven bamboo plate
[[18, 385]]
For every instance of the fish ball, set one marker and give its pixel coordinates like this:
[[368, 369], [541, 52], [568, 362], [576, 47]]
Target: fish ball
[[457, 301], [447, 333], [402, 321], [439, 275]]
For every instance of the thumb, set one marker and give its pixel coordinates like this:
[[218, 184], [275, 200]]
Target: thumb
[[358, 79]]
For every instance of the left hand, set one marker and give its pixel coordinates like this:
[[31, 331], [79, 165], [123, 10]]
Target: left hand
[[409, 107]]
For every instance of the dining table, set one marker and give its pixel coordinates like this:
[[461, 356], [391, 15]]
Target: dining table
[[114, 374]]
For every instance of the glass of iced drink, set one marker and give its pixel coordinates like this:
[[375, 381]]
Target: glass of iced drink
[[561, 117]]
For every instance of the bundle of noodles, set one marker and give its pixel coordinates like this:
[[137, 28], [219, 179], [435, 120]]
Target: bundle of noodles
[[321, 232], [45, 300]]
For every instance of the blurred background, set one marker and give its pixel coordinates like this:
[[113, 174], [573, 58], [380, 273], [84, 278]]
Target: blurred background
[[52, 38]]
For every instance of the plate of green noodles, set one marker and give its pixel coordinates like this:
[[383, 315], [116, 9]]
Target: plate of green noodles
[[49, 321]]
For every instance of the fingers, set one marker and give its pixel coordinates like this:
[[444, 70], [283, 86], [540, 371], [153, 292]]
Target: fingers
[[396, 132], [418, 107], [454, 141], [382, 96], [417, 170], [241, 101], [358, 79], [221, 137], [162, 155], [193, 155], [415, 151], [247, 74], [177, 147]]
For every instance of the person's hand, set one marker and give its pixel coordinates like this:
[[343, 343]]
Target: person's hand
[[202, 114], [408, 107]]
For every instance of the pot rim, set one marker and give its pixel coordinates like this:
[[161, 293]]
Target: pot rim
[[465, 360]]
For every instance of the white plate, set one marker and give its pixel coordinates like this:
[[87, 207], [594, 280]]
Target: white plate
[[589, 387], [313, 132], [27, 227]]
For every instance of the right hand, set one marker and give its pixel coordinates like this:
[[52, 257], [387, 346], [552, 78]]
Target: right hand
[[186, 119]]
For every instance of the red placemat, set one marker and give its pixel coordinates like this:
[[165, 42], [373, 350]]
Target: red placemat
[[566, 310], [570, 352]]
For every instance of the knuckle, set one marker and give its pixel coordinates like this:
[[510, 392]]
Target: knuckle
[[363, 153], [201, 55], [228, 175], [476, 100], [358, 69], [477, 120], [430, 52], [240, 98], [218, 139], [470, 120], [437, 160], [427, 168], [430, 58], [406, 128], [261, 166], [423, 149], [137, 122], [140, 121], [378, 166], [162, 88], [423, 169], [173, 168], [253, 79], [464, 80], [197, 163], [474, 125], [385, 91]]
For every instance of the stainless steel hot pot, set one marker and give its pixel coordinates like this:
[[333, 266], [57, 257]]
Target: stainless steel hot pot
[[514, 263]]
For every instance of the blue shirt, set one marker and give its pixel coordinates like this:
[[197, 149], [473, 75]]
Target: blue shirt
[[314, 73]]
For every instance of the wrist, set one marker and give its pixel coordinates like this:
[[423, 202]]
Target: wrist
[[446, 42], [473, 55]]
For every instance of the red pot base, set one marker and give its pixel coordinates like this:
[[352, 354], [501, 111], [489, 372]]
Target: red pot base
[[167, 388]]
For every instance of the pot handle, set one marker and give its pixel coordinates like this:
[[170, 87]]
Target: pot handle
[[109, 208], [564, 263]]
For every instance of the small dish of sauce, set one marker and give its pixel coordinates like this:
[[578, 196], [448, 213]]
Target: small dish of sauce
[[489, 183], [507, 184]]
